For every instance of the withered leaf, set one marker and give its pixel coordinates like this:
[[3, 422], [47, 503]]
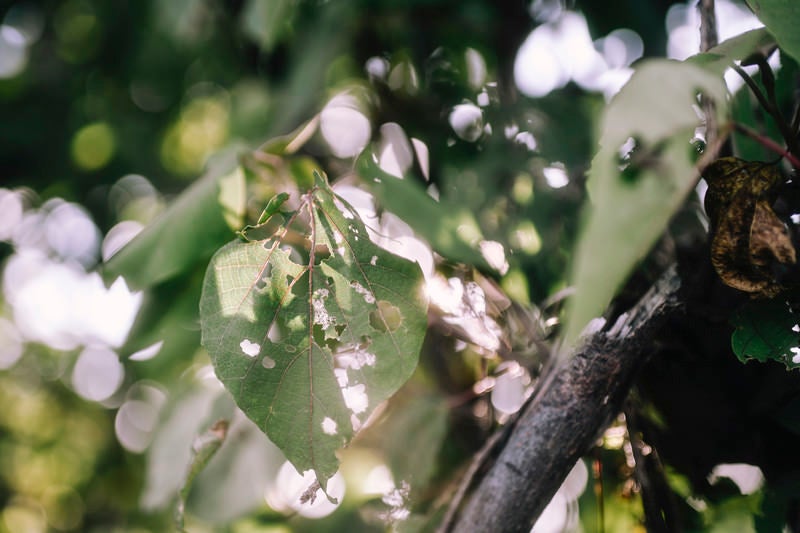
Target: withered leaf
[[747, 237]]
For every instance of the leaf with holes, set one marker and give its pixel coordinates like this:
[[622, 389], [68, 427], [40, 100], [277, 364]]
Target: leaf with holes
[[766, 330], [312, 328]]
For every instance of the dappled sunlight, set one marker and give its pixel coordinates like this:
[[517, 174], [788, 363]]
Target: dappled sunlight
[[395, 154], [561, 50], [467, 121], [21, 28], [293, 492], [137, 418], [733, 18], [683, 22], [64, 307], [748, 478], [561, 514], [344, 126], [97, 374]]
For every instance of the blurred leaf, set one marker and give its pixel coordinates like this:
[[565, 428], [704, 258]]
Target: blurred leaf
[[451, 230], [170, 453], [309, 350], [413, 436], [631, 208], [782, 18], [233, 484], [168, 314], [764, 331], [267, 21], [198, 222]]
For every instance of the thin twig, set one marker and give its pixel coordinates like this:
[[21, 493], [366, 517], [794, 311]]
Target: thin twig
[[478, 460], [708, 40], [754, 88], [770, 106], [708, 26]]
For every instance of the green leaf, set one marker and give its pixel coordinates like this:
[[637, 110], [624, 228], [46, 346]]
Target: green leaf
[[630, 208], [413, 435], [451, 230], [199, 221], [764, 331], [782, 18], [309, 348]]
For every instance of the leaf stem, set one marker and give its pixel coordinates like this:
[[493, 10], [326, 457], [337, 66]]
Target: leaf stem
[[768, 143], [769, 103]]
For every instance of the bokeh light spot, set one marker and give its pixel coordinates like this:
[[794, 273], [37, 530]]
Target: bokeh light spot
[[467, 121], [93, 146], [11, 211], [13, 53], [344, 127], [97, 373]]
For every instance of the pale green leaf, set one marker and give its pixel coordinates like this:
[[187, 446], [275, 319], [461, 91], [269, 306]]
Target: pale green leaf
[[631, 208], [309, 347], [782, 18]]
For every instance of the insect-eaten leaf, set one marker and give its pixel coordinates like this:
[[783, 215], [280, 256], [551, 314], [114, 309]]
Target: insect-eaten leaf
[[748, 240], [310, 337], [767, 329]]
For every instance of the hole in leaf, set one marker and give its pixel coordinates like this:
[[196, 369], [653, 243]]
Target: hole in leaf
[[318, 334], [386, 317]]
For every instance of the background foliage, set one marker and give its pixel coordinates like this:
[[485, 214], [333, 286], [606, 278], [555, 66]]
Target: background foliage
[[184, 117]]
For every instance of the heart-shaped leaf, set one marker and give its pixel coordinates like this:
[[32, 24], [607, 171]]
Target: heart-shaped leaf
[[311, 331]]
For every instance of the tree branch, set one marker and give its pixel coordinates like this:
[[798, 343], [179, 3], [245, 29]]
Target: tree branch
[[567, 416]]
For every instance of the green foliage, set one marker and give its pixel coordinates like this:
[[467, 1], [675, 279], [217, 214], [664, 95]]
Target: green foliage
[[766, 330], [635, 194], [782, 18], [308, 350], [309, 325]]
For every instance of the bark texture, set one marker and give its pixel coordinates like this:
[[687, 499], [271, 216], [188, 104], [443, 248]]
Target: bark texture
[[566, 417]]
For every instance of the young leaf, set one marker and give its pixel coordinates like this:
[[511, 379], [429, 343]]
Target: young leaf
[[766, 330], [309, 348]]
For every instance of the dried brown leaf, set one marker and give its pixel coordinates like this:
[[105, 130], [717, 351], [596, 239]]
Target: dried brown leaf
[[747, 237]]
